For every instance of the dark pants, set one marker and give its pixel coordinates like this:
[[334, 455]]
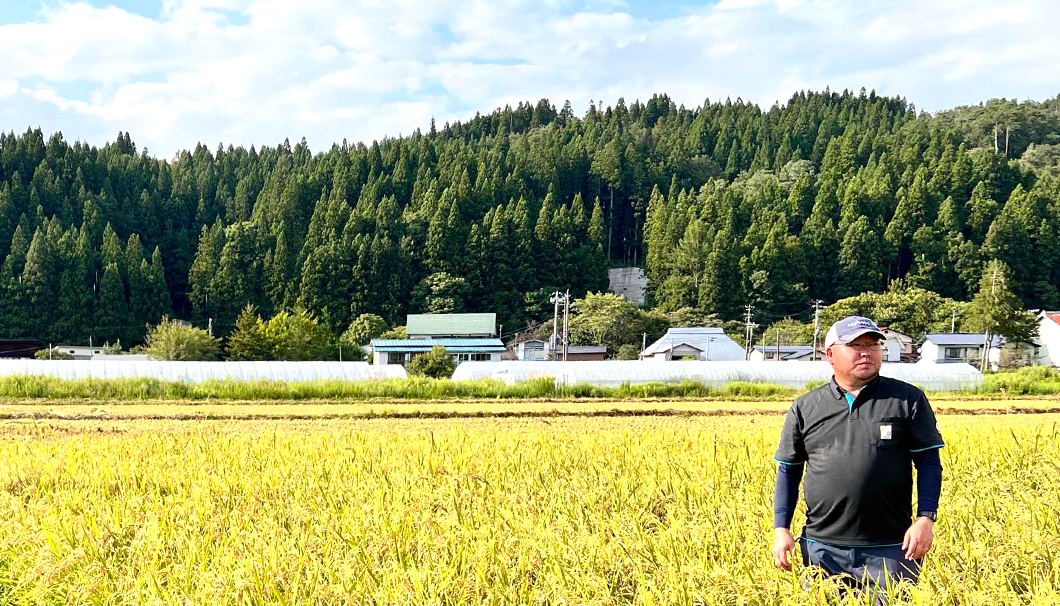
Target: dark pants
[[870, 569]]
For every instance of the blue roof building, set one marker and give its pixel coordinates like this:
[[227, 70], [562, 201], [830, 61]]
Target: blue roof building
[[401, 351]]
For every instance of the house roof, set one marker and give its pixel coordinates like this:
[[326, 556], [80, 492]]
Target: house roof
[[586, 349], [453, 345], [888, 330], [711, 340], [1052, 315], [451, 324], [785, 348], [962, 338], [787, 352]]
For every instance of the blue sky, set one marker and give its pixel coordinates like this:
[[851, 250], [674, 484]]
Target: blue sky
[[178, 72]]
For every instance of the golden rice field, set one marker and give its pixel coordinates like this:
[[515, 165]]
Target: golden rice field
[[532, 510]]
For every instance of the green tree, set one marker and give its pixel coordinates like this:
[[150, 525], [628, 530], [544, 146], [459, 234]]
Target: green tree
[[363, 329], [908, 309], [299, 336], [248, 341], [394, 334], [997, 311], [113, 320], [171, 340], [860, 267], [440, 293], [40, 281], [611, 320], [791, 332], [437, 364]]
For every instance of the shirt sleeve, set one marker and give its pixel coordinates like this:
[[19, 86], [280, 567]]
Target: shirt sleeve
[[791, 450], [786, 494], [924, 429], [928, 479]]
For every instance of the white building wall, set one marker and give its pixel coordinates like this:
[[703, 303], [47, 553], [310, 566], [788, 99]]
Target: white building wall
[[894, 349], [930, 353], [1049, 337]]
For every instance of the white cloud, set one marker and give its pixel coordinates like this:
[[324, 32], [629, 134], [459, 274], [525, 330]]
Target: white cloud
[[256, 71]]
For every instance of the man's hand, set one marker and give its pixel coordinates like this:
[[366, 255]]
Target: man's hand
[[918, 539], [783, 545]]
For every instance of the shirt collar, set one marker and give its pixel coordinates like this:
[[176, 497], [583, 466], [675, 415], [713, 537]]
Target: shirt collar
[[838, 391]]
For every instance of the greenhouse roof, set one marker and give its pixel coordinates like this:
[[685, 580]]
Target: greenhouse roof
[[197, 372], [796, 375]]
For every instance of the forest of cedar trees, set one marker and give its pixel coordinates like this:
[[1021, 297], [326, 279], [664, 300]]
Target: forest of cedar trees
[[826, 196]]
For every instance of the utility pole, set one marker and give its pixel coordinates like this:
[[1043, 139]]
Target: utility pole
[[953, 321], [816, 326], [643, 344], [566, 325], [986, 337], [748, 331], [209, 326], [555, 323], [778, 344]]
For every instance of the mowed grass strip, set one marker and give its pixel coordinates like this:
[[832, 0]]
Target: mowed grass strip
[[478, 511]]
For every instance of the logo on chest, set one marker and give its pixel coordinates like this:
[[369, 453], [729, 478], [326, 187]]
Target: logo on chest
[[885, 431]]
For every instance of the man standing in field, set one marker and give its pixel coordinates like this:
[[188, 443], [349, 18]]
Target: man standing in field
[[856, 440]]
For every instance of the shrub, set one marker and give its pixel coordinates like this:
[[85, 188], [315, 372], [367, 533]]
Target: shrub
[[298, 336], [363, 329], [437, 363], [173, 341], [52, 354]]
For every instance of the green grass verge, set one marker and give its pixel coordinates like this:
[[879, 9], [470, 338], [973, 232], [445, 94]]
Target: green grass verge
[[51, 388], [1030, 381], [1027, 382]]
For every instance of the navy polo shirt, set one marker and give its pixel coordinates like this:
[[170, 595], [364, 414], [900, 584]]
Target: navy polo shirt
[[858, 456]]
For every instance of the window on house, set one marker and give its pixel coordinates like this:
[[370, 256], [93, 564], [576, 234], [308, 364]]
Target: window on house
[[954, 353], [480, 357]]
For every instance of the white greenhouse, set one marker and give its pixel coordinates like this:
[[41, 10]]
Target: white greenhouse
[[946, 377], [469, 371], [198, 372]]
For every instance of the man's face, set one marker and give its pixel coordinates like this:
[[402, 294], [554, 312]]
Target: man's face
[[860, 359]]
